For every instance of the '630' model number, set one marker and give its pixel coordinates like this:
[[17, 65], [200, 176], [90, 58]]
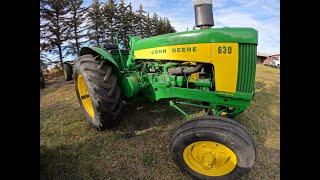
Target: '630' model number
[[224, 50]]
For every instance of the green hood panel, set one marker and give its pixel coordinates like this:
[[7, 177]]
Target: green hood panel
[[238, 35]]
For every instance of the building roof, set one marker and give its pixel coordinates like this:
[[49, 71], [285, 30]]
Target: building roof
[[267, 55], [263, 54]]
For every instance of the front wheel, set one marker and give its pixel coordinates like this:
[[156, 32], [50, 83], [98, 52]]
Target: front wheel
[[213, 148]]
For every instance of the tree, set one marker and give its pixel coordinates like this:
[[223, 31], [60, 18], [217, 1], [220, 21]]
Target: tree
[[149, 28], [167, 26], [44, 61], [55, 29], [161, 27], [76, 21], [65, 24], [131, 20], [170, 29], [95, 23], [155, 24], [124, 26], [111, 21], [140, 22]]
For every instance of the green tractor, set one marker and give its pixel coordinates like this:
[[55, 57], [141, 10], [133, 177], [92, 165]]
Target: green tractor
[[210, 68]]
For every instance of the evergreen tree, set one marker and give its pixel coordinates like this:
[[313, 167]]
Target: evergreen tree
[[149, 27], [131, 20], [95, 23], [161, 27], [140, 22], [125, 22], [154, 24], [44, 61], [168, 27], [54, 27], [76, 21], [111, 21], [67, 22]]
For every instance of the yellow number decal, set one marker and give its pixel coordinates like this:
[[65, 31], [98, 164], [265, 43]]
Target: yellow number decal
[[225, 50]]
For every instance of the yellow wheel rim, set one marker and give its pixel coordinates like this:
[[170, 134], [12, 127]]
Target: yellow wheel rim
[[210, 158], [84, 95]]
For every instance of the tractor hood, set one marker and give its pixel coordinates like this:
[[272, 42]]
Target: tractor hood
[[235, 35]]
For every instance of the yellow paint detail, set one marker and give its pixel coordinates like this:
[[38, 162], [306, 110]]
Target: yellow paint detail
[[84, 95], [194, 77], [223, 114], [189, 63], [210, 158], [224, 57]]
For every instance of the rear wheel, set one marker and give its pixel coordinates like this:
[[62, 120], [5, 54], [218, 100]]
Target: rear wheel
[[42, 84], [67, 71], [213, 148], [97, 92]]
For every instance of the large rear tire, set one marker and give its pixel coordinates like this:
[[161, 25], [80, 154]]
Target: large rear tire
[[97, 92], [213, 147]]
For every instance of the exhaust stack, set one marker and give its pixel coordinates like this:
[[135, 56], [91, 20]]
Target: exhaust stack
[[203, 13]]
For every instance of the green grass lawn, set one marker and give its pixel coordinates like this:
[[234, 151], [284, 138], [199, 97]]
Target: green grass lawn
[[139, 147]]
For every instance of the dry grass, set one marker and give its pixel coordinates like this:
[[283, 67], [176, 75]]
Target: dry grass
[[52, 73], [139, 147]]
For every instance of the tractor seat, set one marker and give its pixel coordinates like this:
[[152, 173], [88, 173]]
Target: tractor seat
[[116, 51], [110, 46]]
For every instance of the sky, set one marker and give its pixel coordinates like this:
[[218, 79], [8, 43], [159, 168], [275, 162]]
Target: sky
[[263, 15]]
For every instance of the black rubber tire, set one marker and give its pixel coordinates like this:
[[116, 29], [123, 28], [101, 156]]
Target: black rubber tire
[[103, 91], [218, 129], [67, 68], [42, 84]]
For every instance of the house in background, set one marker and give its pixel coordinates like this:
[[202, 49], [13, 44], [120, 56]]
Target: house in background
[[268, 61], [267, 58], [261, 57]]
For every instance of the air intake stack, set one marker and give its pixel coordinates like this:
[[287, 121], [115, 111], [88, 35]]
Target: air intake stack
[[203, 13]]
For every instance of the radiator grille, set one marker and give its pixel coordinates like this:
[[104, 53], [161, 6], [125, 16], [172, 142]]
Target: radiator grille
[[247, 67]]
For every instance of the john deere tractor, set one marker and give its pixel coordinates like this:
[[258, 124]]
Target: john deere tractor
[[210, 68]]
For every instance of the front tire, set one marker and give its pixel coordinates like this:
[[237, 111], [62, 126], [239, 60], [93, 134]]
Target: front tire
[[97, 92], [213, 148]]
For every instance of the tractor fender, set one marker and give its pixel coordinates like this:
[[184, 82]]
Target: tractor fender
[[104, 56]]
